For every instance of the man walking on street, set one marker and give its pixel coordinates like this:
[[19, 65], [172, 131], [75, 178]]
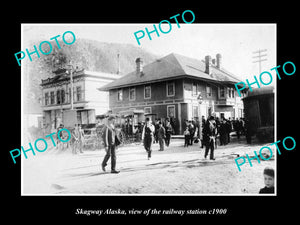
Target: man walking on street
[[147, 136], [209, 133], [110, 145]]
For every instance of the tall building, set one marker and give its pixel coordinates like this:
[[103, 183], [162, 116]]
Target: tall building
[[177, 87], [87, 100]]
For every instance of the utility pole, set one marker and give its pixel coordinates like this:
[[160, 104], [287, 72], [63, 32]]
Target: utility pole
[[71, 81], [119, 71], [260, 57]]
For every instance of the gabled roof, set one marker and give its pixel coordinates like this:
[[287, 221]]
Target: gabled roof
[[170, 67]]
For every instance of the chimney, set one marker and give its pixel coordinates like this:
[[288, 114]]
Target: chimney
[[219, 58], [119, 70], [207, 64], [139, 66], [213, 61]]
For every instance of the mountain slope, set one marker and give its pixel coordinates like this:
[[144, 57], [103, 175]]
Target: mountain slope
[[88, 54]]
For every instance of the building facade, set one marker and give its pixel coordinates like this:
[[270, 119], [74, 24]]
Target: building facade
[[177, 87], [87, 100]]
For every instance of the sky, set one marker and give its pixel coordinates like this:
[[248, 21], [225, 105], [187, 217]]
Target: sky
[[235, 42]]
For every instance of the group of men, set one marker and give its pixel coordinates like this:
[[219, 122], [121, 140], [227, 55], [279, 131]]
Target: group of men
[[157, 132], [161, 133], [222, 127], [191, 132], [149, 135], [77, 139]]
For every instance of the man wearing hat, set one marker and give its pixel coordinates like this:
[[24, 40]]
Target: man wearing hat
[[209, 132], [147, 136], [110, 145]]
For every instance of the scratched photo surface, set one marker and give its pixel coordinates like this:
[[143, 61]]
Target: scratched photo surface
[[148, 109]]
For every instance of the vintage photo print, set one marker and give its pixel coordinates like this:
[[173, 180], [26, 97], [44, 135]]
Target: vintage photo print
[[174, 108]]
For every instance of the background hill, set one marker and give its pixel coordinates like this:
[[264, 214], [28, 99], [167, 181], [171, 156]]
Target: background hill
[[88, 54]]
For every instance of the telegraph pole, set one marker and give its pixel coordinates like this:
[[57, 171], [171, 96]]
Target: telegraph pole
[[260, 57], [119, 70], [71, 82]]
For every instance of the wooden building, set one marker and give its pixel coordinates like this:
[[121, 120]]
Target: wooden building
[[87, 100], [177, 87]]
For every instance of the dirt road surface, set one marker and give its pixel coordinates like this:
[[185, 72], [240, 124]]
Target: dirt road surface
[[175, 171]]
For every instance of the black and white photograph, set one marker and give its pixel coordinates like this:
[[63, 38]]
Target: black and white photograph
[[131, 109], [146, 111]]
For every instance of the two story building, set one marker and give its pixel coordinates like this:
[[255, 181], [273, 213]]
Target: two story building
[[177, 87], [87, 100]]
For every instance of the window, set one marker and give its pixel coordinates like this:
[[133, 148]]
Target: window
[[171, 111], [58, 97], [208, 91], [194, 89], [232, 92], [52, 97], [147, 91], [222, 92], [62, 93], [195, 111], [47, 98], [78, 93], [120, 95], [132, 94], [148, 110], [170, 89]]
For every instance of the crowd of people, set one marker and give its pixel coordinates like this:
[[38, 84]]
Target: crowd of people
[[157, 132], [76, 142], [211, 130]]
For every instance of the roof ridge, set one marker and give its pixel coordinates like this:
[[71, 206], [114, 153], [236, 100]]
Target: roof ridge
[[179, 64]]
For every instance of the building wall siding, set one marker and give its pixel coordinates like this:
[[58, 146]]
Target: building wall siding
[[158, 93], [184, 101]]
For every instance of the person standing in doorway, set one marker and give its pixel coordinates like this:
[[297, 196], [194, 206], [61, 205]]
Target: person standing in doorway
[[110, 145], [147, 136]]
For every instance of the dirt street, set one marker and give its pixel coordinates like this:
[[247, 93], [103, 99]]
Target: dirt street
[[177, 170]]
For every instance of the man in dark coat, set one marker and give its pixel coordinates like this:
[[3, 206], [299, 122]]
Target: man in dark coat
[[192, 132], [228, 129], [147, 136], [209, 132], [161, 134], [169, 131], [202, 127], [110, 145], [222, 132]]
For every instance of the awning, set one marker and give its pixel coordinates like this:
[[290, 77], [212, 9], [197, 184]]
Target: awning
[[131, 112]]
